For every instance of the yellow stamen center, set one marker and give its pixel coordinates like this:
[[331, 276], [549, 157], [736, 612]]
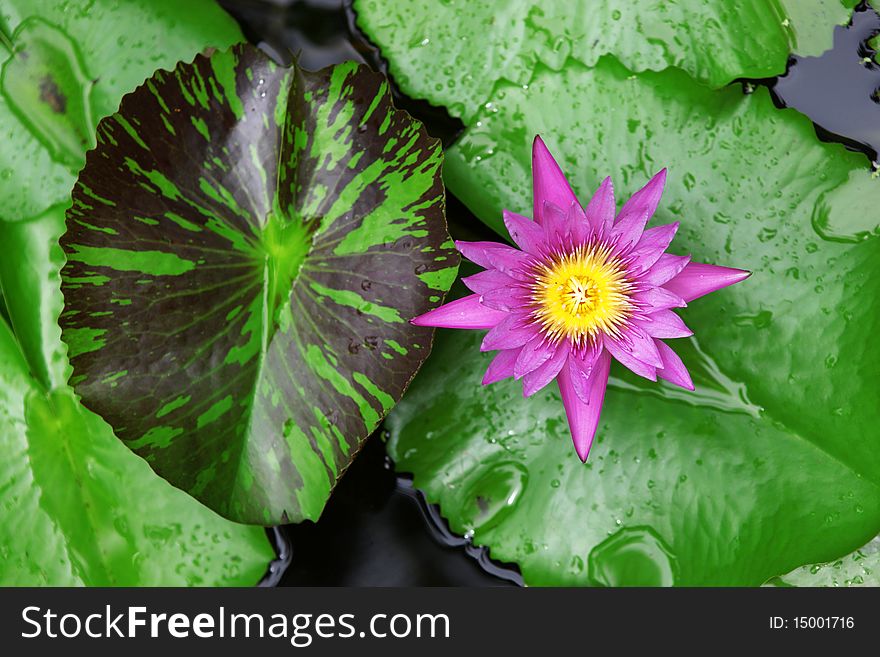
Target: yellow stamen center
[[582, 294]]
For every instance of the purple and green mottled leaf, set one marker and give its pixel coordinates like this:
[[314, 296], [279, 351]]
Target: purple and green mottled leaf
[[245, 247]]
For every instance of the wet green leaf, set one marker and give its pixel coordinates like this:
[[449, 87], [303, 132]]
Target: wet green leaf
[[774, 461], [456, 53], [78, 509], [861, 568], [63, 74], [31, 282], [812, 23], [244, 250]]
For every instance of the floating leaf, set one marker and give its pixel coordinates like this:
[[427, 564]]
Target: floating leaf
[[812, 23], [245, 247], [455, 53], [79, 510], [62, 76], [45, 84], [31, 282], [861, 568], [774, 461]]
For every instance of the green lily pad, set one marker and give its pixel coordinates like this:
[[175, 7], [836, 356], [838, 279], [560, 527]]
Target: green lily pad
[[77, 509], [456, 53], [774, 461], [63, 74], [245, 247], [861, 568], [812, 23], [31, 282]]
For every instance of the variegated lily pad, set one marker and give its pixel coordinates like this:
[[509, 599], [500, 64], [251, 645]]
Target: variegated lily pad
[[245, 247]]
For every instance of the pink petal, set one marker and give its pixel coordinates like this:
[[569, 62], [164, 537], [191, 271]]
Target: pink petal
[[464, 313], [580, 366], [600, 210], [578, 227], [548, 181], [667, 267], [515, 264], [485, 281], [627, 359], [501, 366], [664, 324], [650, 247], [673, 369], [698, 279], [555, 226], [525, 232], [657, 298], [541, 376], [507, 298], [482, 253], [637, 342], [583, 417], [634, 214], [535, 353], [509, 333]]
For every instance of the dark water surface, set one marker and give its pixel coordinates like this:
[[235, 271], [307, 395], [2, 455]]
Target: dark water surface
[[377, 530], [838, 90]]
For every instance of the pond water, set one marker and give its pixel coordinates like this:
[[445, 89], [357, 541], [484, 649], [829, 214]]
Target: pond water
[[377, 530], [838, 90]]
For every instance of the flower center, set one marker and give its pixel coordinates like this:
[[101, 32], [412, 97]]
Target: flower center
[[581, 294]]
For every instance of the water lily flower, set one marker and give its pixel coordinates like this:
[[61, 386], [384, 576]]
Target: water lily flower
[[585, 285]]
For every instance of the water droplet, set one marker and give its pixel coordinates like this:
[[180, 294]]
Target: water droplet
[[633, 556], [759, 320], [767, 234], [478, 147], [492, 494]]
